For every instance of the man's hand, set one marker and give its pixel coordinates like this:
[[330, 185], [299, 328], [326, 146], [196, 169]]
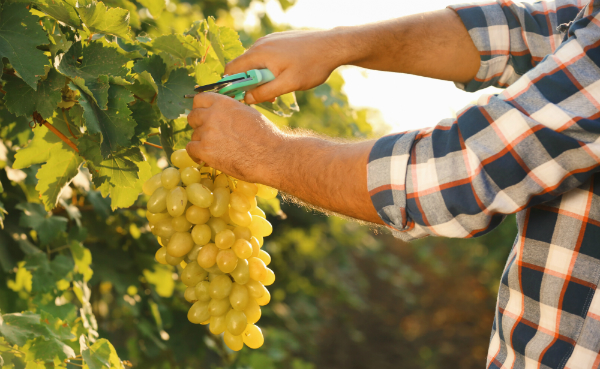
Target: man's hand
[[300, 60], [241, 142], [233, 137]]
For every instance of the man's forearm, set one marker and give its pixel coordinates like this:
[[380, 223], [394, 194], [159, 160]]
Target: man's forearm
[[326, 174], [434, 44]]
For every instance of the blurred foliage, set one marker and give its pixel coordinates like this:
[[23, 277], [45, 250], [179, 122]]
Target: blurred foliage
[[345, 296]]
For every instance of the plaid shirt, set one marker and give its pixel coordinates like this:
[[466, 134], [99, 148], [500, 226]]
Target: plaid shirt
[[533, 150]]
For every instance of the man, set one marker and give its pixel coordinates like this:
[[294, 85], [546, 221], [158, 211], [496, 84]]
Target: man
[[532, 150]]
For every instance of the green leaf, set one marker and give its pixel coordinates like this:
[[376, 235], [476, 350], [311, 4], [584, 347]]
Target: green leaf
[[18, 328], [92, 74], [179, 46], [115, 123], [215, 40], [22, 100], [46, 273], [170, 98], [232, 46], [60, 10], [114, 21], [47, 227], [160, 278], [58, 172], [101, 355], [155, 7], [208, 72], [50, 349], [83, 260], [146, 116], [284, 106], [144, 87], [66, 312], [20, 34]]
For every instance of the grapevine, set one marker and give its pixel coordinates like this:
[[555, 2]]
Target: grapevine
[[210, 225]]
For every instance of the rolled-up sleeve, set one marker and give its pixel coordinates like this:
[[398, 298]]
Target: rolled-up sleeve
[[535, 141], [513, 37]]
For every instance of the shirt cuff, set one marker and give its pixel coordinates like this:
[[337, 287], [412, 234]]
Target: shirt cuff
[[386, 179], [488, 28]]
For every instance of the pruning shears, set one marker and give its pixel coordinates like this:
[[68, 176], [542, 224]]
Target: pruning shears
[[236, 85]]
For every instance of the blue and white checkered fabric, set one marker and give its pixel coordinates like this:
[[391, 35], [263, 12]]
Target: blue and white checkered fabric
[[533, 150]]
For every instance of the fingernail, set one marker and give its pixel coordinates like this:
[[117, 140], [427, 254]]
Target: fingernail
[[249, 98]]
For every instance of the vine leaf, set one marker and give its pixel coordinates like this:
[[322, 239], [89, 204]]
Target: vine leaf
[[170, 98], [47, 227], [284, 106], [92, 74], [114, 21], [46, 273], [22, 100], [225, 42], [61, 168], [101, 355], [38, 150], [115, 123], [155, 7], [147, 117], [60, 10], [179, 46], [83, 260]]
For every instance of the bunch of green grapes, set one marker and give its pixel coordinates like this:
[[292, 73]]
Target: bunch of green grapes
[[210, 225]]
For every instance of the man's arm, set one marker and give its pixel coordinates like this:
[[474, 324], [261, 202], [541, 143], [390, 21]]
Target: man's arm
[[434, 44]]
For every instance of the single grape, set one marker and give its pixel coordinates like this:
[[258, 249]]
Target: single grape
[[190, 175], [197, 215], [181, 159], [190, 295], [176, 201], [200, 195], [208, 183], [235, 343], [214, 270], [218, 307], [152, 184], [252, 311], [264, 256], [171, 260], [180, 244], [269, 279], [248, 189], [164, 228], [253, 337], [242, 232], [239, 202], [260, 240], [236, 322], [160, 255], [220, 287], [253, 203], [199, 313], [221, 181], [170, 178], [220, 204], [260, 226], [257, 267], [181, 224], [264, 299], [225, 239], [227, 220], [255, 247], [207, 256], [239, 218], [156, 217], [218, 324], [259, 212], [242, 249], [239, 297], [193, 254], [255, 289], [241, 273], [266, 192], [157, 203], [193, 274], [201, 234], [216, 225], [202, 291], [227, 261]]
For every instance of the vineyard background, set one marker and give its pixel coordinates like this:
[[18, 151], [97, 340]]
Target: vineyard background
[[345, 296]]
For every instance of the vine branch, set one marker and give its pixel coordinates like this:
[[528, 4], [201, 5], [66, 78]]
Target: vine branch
[[153, 145], [38, 118], [68, 124]]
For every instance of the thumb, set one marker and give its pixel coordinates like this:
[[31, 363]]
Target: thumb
[[270, 90]]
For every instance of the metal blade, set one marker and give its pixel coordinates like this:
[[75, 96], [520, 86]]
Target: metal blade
[[217, 85]]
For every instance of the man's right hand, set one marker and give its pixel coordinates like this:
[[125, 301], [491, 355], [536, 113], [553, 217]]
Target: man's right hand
[[300, 60]]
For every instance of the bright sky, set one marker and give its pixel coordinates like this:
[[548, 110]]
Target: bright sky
[[405, 101]]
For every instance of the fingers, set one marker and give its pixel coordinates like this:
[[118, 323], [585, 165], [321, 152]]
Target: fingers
[[193, 150], [196, 135], [205, 99], [245, 62], [269, 91], [197, 117]]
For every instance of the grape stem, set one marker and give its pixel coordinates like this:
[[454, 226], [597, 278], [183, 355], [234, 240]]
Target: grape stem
[[68, 124], [153, 145], [38, 118]]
